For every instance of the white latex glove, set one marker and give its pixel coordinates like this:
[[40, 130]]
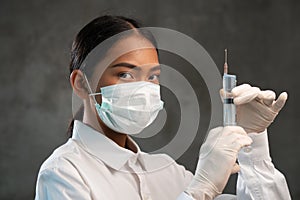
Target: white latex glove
[[256, 109], [217, 161]]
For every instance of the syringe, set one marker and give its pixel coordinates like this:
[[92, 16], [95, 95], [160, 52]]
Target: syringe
[[229, 110]]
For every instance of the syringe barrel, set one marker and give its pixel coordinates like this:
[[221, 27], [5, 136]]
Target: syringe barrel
[[229, 109]]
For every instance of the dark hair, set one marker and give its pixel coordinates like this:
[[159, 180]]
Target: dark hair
[[91, 35]]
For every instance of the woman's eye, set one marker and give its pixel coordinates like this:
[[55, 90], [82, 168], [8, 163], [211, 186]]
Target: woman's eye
[[154, 77], [125, 75]]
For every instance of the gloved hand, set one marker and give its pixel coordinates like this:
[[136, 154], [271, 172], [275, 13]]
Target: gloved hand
[[256, 109], [217, 161]]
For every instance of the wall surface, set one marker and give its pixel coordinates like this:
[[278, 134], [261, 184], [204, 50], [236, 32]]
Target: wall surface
[[263, 37]]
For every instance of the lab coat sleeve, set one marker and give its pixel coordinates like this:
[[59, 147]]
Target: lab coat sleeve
[[188, 176], [63, 182], [258, 178]]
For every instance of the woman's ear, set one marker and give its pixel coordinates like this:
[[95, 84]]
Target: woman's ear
[[78, 84]]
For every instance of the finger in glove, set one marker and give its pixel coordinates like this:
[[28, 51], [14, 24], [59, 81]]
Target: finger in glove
[[279, 103]]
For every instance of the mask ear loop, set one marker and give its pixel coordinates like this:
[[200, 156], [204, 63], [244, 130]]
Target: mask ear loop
[[93, 95], [90, 89]]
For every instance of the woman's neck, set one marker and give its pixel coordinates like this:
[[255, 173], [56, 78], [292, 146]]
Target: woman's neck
[[118, 138]]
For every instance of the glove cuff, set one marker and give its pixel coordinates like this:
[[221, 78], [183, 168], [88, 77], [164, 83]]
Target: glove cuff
[[202, 187]]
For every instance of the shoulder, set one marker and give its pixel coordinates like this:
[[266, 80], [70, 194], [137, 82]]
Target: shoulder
[[59, 167], [59, 172], [61, 157]]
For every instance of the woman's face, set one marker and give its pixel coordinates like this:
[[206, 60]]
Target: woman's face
[[140, 64], [130, 59]]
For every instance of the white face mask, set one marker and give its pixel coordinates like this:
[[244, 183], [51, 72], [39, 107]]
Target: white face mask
[[129, 107]]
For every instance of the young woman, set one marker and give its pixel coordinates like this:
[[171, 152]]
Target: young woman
[[121, 98]]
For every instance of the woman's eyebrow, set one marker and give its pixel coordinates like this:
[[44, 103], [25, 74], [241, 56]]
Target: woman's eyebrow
[[157, 67], [128, 65], [132, 66]]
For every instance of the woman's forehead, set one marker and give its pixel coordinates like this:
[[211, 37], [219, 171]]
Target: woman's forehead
[[134, 49], [131, 43], [139, 57]]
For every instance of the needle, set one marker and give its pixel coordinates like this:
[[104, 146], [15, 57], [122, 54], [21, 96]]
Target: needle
[[225, 63]]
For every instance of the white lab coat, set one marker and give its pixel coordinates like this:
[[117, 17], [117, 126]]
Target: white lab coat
[[91, 166]]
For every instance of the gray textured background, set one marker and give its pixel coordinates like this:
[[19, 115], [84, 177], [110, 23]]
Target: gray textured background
[[35, 36]]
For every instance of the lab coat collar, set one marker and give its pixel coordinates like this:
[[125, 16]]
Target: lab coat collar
[[104, 148]]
